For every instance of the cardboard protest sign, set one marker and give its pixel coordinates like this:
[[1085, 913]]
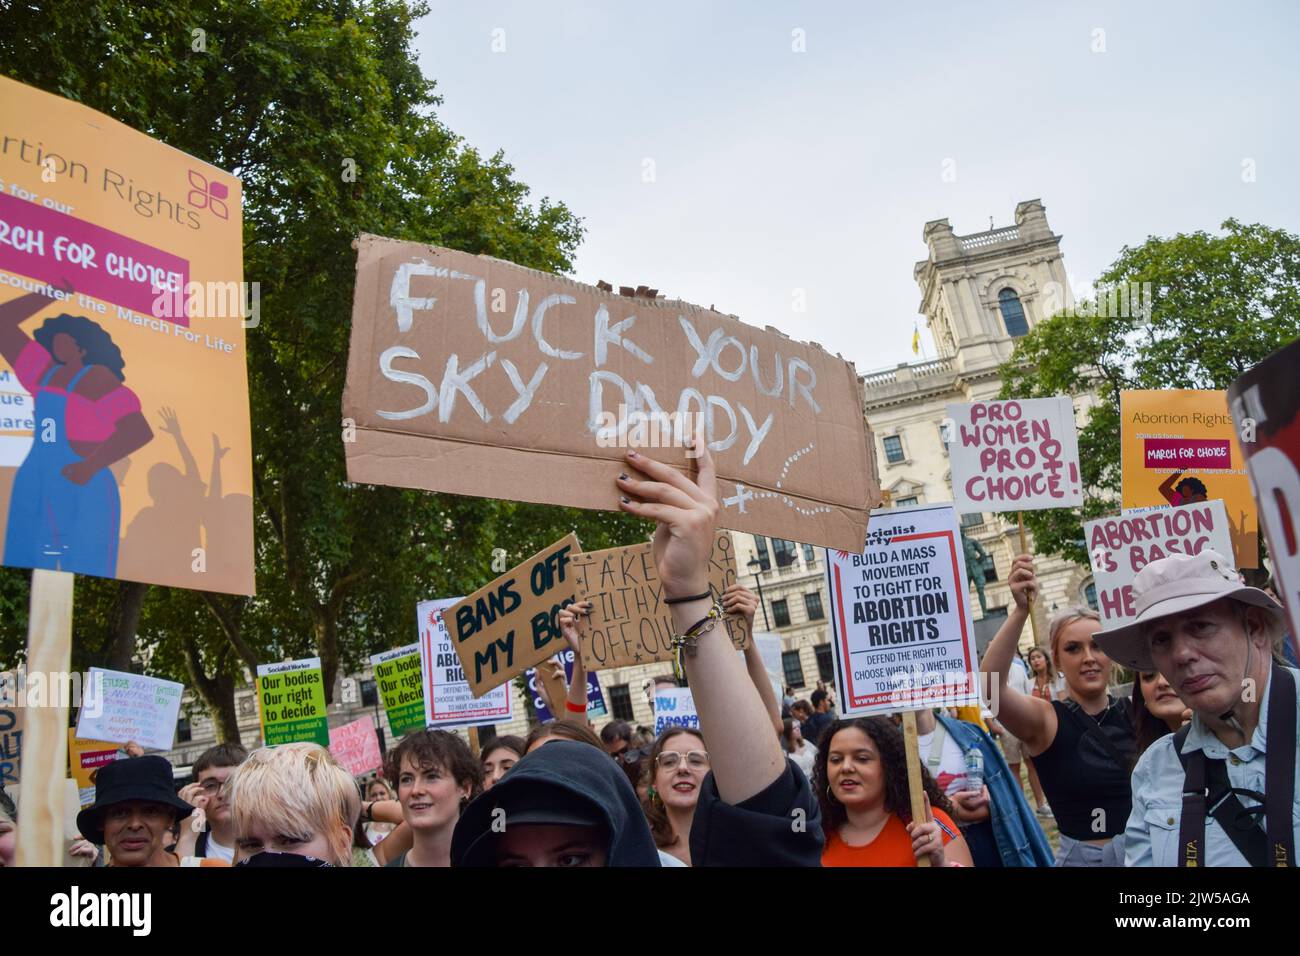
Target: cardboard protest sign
[[630, 623], [903, 635], [1178, 446], [1019, 455], [474, 376], [401, 687], [356, 746], [132, 708], [449, 699], [85, 757], [509, 625], [11, 731], [675, 707], [1265, 404], [1120, 547], [135, 251], [291, 701], [595, 698]]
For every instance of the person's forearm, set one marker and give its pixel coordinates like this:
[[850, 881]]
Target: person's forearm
[[1001, 650], [577, 696], [16, 310], [386, 811], [744, 753], [758, 674], [188, 839]]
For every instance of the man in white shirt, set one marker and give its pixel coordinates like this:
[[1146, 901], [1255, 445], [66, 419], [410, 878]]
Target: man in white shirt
[[1220, 791]]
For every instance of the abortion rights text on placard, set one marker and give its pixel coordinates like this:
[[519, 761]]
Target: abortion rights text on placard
[[903, 635]]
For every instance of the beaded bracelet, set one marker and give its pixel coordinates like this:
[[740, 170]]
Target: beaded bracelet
[[688, 643]]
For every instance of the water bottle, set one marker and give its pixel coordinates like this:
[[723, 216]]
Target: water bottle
[[974, 771]]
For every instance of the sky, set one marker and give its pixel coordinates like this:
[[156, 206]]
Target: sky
[[778, 160]]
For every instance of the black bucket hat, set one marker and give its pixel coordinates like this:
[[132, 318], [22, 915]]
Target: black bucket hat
[[136, 778]]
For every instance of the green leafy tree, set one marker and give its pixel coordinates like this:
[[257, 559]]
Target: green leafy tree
[[322, 111], [1208, 307]]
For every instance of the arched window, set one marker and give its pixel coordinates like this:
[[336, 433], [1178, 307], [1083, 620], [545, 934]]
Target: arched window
[[1013, 313]]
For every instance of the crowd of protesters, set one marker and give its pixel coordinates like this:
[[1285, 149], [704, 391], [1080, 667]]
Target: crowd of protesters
[[1197, 766]]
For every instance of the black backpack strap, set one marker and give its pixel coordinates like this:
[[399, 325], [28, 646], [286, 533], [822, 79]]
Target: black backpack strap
[[1279, 768], [1239, 823], [1191, 826], [201, 844], [1206, 786]]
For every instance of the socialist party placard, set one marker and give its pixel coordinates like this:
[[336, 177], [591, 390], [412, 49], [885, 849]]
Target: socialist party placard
[[900, 611]]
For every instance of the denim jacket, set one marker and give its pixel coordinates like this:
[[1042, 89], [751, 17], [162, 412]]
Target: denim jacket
[[1020, 839]]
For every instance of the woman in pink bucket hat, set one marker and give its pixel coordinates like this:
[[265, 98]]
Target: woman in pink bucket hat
[[1220, 791]]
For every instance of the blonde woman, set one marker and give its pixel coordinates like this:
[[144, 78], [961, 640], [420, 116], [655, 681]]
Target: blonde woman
[[292, 805], [1082, 744]]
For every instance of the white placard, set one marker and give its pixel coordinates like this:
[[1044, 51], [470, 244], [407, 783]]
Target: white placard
[[130, 707], [675, 707], [900, 612], [1121, 546], [1019, 455], [448, 699]]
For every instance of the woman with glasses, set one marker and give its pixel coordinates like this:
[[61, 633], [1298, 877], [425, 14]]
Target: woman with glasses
[[674, 772]]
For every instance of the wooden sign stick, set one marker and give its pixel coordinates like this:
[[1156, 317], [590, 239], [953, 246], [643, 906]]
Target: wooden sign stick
[[915, 791], [45, 746], [1024, 549], [473, 742]]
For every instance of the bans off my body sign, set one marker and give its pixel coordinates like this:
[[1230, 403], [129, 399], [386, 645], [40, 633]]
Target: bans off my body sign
[[475, 376], [507, 626]]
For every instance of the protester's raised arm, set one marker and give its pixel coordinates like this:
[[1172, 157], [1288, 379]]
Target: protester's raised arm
[[575, 705], [743, 751], [1024, 716], [382, 811], [739, 599]]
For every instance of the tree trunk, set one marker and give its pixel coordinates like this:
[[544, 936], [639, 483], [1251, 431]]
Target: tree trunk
[[221, 708], [217, 692], [123, 622], [327, 647]]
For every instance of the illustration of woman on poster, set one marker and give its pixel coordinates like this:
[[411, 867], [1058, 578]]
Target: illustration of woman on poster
[[64, 510], [1178, 490]]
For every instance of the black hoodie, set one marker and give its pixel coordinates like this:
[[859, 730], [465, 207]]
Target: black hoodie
[[587, 778], [780, 826]]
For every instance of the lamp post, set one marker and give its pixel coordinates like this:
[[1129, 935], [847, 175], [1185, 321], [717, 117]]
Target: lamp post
[[756, 566]]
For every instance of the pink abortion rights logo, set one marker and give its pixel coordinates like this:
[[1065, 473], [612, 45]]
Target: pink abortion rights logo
[[208, 194]]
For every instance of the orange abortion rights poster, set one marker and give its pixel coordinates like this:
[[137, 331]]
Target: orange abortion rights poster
[[1178, 446], [124, 434]]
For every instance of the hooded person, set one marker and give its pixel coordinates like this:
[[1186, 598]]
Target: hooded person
[[1221, 790], [564, 804]]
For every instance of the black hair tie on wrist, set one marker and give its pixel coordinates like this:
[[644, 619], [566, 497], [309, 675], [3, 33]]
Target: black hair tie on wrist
[[687, 600]]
